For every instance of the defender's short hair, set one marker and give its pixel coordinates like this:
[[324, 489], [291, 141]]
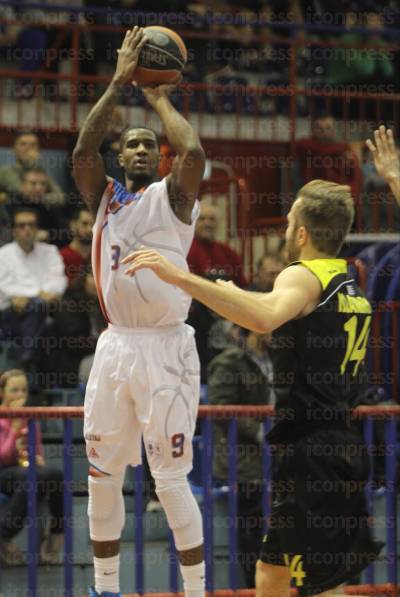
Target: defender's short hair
[[326, 209]]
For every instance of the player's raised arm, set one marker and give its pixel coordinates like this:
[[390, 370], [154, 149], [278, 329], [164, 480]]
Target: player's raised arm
[[386, 159], [88, 166], [188, 167], [296, 293]]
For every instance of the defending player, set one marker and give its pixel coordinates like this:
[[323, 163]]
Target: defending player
[[145, 376], [319, 531]]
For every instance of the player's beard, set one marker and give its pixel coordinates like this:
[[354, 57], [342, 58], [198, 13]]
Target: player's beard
[[142, 179], [293, 251]]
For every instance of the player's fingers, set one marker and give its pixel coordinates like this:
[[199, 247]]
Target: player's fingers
[[126, 39], [140, 44], [390, 138], [370, 145], [378, 141], [136, 255], [136, 37], [140, 263], [384, 138]]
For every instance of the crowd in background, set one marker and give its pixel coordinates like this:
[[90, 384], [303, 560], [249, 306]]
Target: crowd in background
[[246, 42]]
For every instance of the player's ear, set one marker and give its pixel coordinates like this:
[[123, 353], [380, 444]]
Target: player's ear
[[302, 236]]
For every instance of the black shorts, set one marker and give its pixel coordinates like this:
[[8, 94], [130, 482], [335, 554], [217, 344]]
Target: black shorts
[[319, 525]]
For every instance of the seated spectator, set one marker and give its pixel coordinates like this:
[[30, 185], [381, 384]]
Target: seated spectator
[[27, 156], [243, 375], [211, 259], [33, 190], [77, 324], [31, 279], [14, 481], [76, 255], [362, 65], [25, 45], [324, 156], [268, 267]]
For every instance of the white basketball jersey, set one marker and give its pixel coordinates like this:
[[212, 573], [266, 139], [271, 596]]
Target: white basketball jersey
[[124, 223]]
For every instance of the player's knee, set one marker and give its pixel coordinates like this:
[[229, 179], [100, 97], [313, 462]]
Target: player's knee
[[271, 580], [182, 511], [106, 508]]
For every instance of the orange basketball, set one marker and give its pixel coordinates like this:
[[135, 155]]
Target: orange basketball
[[162, 57]]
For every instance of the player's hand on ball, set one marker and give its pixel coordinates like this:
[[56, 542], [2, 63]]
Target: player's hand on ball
[[128, 55], [153, 94], [150, 259]]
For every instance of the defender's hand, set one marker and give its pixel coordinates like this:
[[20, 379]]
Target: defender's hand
[[384, 152], [128, 55], [149, 259]]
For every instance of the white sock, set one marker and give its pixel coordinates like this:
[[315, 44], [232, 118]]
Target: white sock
[[106, 574], [193, 579]]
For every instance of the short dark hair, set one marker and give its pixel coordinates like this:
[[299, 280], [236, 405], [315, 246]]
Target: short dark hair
[[78, 210], [23, 133], [274, 256], [326, 209], [322, 114], [23, 209], [37, 169], [134, 128]]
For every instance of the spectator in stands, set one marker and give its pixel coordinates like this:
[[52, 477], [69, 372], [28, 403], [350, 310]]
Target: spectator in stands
[[76, 255], [242, 375], [14, 482], [77, 324], [211, 259], [208, 257], [26, 46], [31, 279], [324, 156], [362, 65], [268, 267], [33, 193], [27, 156]]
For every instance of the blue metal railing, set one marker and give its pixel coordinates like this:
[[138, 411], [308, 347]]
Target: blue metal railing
[[391, 415]]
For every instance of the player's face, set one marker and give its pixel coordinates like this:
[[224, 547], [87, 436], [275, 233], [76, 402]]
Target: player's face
[[140, 154], [292, 248]]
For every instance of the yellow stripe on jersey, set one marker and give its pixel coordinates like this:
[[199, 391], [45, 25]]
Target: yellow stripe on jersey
[[353, 304], [324, 269]]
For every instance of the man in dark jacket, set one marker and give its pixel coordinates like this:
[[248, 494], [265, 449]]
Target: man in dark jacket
[[243, 375]]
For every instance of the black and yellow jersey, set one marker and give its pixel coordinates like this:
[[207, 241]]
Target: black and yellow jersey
[[318, 359]]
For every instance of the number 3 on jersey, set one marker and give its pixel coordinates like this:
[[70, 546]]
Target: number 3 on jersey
[[115, 254], [356, 347]]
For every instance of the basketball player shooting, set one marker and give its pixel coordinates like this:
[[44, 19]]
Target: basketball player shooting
[[319, 534], [145, 375]]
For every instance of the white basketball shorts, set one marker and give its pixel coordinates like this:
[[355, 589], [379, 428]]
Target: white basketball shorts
[[144, 382]]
